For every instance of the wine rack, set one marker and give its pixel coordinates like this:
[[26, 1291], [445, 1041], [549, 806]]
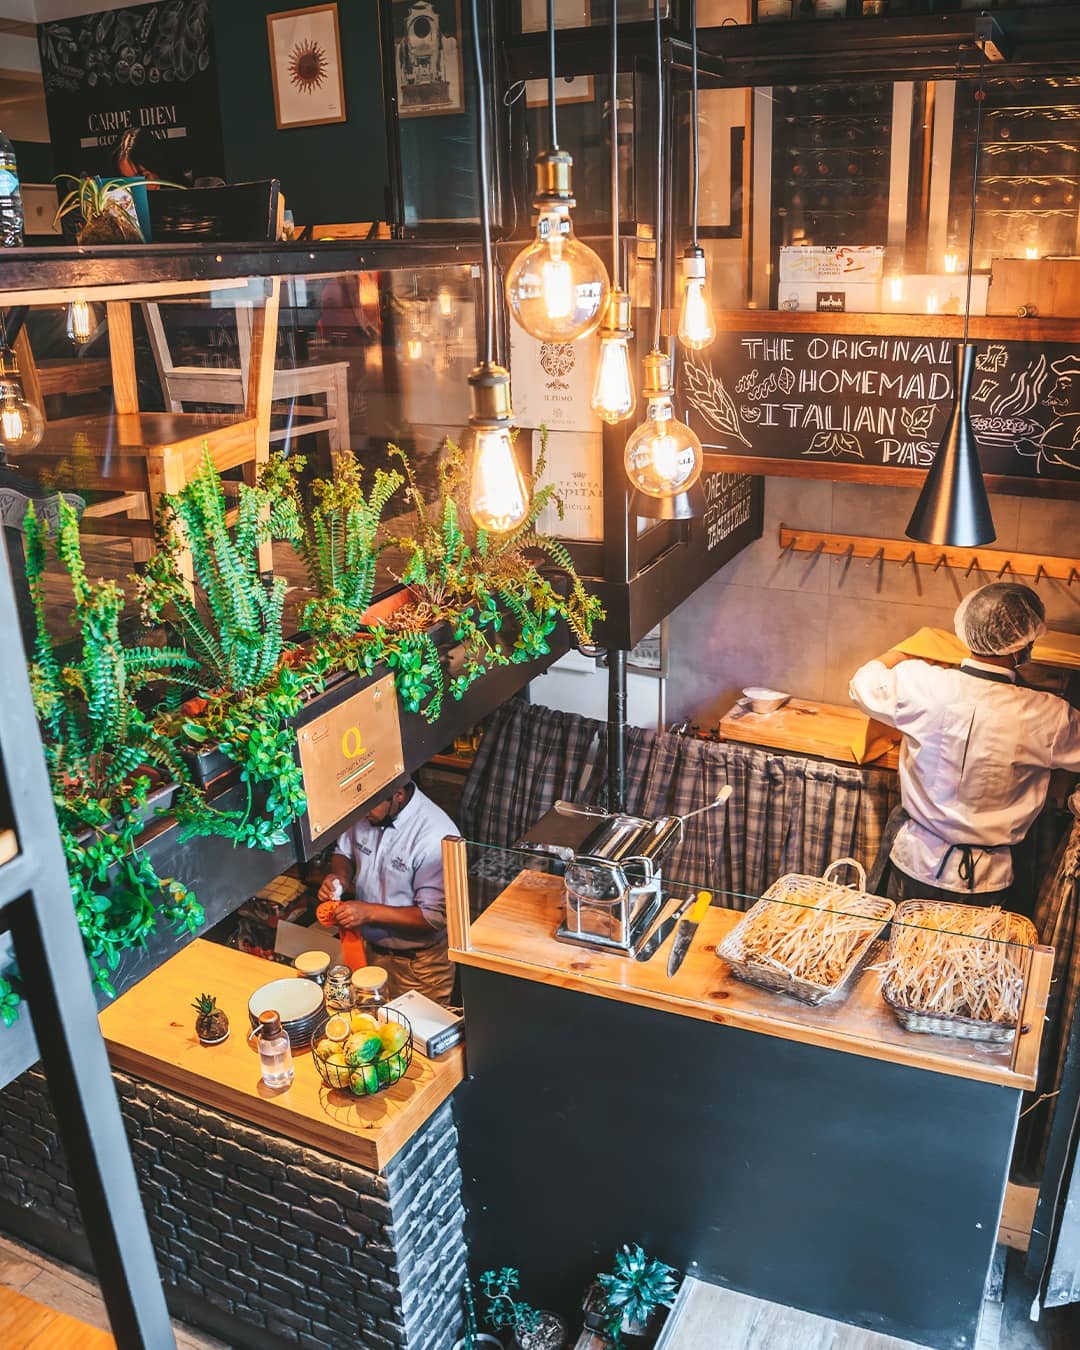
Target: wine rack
[[831, 165]]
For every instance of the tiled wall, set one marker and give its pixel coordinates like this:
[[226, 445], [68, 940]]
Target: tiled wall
[[803, 624]]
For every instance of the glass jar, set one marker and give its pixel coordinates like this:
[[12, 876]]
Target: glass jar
[[275, 1051], [337, 991], [312, 966], [369, 988]]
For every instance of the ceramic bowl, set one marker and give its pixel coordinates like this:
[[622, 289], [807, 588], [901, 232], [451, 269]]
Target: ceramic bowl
[[765, 700]]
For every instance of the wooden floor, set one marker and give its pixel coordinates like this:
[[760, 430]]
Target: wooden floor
[[49, 1306]]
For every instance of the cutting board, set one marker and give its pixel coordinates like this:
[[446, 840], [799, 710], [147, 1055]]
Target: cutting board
[[822, 729], [935, 644]]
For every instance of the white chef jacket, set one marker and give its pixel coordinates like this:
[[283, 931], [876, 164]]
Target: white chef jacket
[[975, 762], [401, 864]]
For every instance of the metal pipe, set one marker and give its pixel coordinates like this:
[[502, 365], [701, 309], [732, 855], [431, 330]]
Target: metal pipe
[[616, 738]]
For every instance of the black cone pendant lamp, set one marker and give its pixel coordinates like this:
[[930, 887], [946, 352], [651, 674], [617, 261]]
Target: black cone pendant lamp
[[953, 508]]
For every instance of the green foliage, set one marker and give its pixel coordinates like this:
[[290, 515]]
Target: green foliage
[[503, 1312], [90, 196], [205, 1004], [10, 998], [234, 630], [637, 1287], [337, 539]]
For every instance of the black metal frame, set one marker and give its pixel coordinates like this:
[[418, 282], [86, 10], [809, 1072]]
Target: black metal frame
[[36, 909]]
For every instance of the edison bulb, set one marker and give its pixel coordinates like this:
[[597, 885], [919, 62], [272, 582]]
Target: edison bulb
[[78, 322], [697, 328], [498, 498], [663, 456], [556, 287], [21, 423], [613, 396], [446, 302]]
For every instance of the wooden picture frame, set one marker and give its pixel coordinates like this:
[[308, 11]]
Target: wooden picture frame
[[305, 65], [428, 69]]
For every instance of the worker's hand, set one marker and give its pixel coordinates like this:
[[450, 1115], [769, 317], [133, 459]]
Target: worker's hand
[[351, 914], [330, 888]]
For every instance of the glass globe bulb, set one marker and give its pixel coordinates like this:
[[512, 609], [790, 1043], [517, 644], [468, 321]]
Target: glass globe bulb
[[697, 327], [498, 499], [556, 287], [78, 322], [662, 456], [613, 395], [21, 423]]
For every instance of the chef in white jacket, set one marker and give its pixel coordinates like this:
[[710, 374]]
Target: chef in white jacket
[[977, 751]]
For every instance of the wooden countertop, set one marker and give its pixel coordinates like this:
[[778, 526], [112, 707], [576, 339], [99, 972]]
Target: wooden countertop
[[515, 935], [150, 1032]]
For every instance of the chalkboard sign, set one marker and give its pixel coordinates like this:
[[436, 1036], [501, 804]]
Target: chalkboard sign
[[871, 408]]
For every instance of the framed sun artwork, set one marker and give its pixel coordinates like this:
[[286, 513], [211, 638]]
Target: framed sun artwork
[[305, 62]]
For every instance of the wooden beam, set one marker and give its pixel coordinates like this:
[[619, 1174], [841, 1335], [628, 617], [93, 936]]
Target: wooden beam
[[122, 357]]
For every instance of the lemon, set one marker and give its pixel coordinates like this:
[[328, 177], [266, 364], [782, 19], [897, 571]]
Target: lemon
[[338, 1028], [393, 1037], [365, 1049], [363, 1080], [325, 1048], [363, 1022]]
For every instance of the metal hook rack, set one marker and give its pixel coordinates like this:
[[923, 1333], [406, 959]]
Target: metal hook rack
[[992, 561]]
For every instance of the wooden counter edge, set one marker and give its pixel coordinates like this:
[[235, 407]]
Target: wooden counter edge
[[1028, 1040], [372, 1149], [1017, 1076]]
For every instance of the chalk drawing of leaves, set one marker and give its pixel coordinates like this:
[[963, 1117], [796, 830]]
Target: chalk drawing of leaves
[[706, 393], [750, 414], [786, 380], [835, 443], [917, 421]]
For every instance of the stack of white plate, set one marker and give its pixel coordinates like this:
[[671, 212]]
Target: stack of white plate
[[298, 1002]]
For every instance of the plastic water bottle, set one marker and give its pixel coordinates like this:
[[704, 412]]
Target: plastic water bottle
[[275, 1051], [11, 207]]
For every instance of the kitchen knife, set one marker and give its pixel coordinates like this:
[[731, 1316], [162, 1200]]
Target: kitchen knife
[[684, 934], [662, 931]]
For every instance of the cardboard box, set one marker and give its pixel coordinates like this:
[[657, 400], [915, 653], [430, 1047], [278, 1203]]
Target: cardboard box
[[1048, 288], [832, 265]]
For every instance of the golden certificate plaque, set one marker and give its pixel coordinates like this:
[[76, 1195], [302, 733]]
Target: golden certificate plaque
[[350, 752]]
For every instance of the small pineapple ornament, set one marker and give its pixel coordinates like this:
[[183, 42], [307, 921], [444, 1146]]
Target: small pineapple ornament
[[211, 1024]]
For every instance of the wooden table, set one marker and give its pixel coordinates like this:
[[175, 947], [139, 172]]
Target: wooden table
[[826, 730], [150, 1033]]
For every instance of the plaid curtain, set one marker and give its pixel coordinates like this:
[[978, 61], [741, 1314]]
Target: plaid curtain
[[785, 814]]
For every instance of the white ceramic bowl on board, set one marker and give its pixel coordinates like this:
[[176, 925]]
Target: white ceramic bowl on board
[[764, 700]]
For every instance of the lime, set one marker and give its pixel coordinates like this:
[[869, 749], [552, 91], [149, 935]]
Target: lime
[[363, 1080], [364, 1049]]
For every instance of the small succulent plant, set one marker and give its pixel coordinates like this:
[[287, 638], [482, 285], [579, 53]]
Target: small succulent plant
[[211, 1024]]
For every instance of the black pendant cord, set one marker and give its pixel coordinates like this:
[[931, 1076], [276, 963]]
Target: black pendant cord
[[980, 96], [614, 129], [552, 113], [696, 148], [659, 175], [485, 202]]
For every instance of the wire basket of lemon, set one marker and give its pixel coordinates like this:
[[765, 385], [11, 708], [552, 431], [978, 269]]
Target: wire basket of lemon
[[363, 1052]]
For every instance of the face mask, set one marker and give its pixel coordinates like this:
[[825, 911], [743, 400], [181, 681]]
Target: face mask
[[1022, 657]]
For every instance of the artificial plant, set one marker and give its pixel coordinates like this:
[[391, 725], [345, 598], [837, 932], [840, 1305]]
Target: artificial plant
[[505, 1313], [337, 539], [638, 1286], [232, 623], [99, 746]]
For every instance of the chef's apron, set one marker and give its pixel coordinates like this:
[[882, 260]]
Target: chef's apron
[[887, 879]]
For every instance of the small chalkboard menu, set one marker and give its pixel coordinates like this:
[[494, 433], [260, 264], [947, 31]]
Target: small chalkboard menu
[[872, 408]]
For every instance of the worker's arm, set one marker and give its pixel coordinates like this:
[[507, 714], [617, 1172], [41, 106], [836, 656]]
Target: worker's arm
[[356, 913], [1066, 747], [874, 690]]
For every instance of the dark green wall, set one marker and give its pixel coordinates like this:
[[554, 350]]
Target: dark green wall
[[328, 174], [35, 161]]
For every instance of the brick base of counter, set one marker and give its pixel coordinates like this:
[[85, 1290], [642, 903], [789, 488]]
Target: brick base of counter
[[260, 1241]]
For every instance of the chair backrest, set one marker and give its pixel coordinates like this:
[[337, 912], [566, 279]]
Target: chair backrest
[[236, 213]]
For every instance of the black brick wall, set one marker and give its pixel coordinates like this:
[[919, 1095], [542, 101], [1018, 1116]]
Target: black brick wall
[[261, 1241]]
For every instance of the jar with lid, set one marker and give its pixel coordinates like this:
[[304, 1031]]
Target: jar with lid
[[312, 966], [369, 988], [275, 1050], [337, 991]]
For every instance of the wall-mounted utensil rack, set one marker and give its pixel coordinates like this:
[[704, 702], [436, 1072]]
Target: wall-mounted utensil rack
[[1000, 565]]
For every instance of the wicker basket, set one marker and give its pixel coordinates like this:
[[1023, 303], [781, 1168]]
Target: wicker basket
[[363, 1079], [803, 892], [1021, 931]]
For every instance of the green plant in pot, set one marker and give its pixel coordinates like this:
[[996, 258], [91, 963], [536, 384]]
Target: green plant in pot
[[532, 1328], [232, 624], [103, 751], [632, 1294], [106, 207]]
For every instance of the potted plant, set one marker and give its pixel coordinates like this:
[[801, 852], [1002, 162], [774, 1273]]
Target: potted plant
[[532, 1328], [106, 206], [472, 1337], [211, 1023], [632, 1295]]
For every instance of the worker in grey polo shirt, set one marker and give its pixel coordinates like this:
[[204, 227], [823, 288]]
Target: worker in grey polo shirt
[[391, 862]]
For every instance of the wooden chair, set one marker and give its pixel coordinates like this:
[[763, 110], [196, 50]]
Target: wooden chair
[[228, 386]]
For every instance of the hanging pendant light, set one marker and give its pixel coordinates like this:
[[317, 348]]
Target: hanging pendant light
[[613, 397], [498, 496], [697, 327], [663, 456], [556, 286], [953, 508], [79, 325], [22, 423]]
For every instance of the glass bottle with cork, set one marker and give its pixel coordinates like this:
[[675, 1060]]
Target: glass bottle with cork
[[275, 1050]]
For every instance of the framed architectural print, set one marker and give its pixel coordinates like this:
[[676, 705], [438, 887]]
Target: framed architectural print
[[427, 57]]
